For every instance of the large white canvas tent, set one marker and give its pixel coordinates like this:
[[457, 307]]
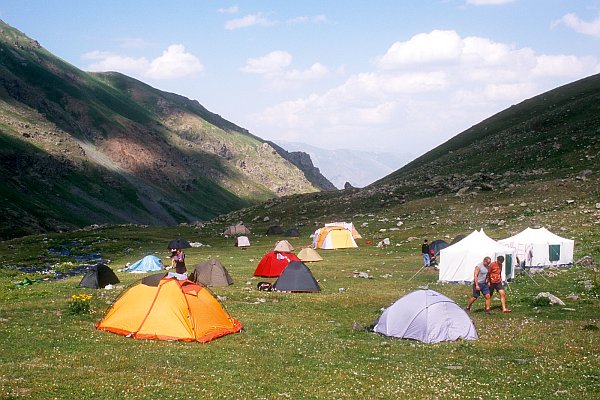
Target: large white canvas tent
[[347, 225], [426, 316], [457, 262], [540, 248]]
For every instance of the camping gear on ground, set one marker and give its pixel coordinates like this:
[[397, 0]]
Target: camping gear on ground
[[347, 225], [537, 248], [457, 262], [242, 241], [147, 264], [292, 232], [264, 286], [309, 254], [438, 245], [333, 237], [98, 276], [296, 277], [211, 273], [275, 230], [179, 243], [284, 246], [273, 263], [426, 316], [173, 310], [238, 229]]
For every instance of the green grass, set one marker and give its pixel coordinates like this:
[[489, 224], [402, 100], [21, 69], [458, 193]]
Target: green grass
[[293, 345]]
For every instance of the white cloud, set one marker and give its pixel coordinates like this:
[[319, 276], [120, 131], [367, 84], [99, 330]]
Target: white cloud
[[106, 61], [174, 63], [274, 69], [421, 92], [316, 19], [247, 21], [269, 64], [315, 71], [229, 10], [489, 2], [572, 21], [424, 48]]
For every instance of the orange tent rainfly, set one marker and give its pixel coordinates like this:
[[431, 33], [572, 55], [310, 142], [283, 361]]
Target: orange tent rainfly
[[172, 310]]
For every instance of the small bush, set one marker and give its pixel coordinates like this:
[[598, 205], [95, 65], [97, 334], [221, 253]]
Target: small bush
[[80, 304], [540, 302]]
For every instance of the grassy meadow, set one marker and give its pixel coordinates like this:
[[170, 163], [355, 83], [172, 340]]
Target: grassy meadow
[[311, 346]]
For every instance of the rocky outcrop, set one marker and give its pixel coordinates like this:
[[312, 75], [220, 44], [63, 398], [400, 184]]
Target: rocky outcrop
[[303, 161]]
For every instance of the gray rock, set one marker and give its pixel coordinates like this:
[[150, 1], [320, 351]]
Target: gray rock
[[553, 298], [587, 262]]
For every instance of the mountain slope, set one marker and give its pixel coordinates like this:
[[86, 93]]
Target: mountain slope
[[81, 148], [553, 135], [545, 146]]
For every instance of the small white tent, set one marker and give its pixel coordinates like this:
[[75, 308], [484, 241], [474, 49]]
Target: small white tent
[[242, 241], [457, 262], [540, 248]]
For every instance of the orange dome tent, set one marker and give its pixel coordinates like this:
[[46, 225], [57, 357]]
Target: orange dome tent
[[172, 310]]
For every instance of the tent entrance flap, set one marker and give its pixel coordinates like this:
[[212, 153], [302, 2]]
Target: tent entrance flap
[[508, 265], [554, 252]]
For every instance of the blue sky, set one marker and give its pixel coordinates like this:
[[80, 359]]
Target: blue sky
[[389, 75]]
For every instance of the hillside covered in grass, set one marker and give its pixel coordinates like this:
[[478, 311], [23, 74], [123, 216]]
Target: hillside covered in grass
[[79, 148]]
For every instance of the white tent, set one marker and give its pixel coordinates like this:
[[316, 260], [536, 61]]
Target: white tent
[[457, 262], [426, 316], [540, 247], [242, 241]]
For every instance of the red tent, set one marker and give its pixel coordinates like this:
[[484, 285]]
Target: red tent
[[273, 263]]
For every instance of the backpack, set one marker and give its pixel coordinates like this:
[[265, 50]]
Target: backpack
[[264, 286]]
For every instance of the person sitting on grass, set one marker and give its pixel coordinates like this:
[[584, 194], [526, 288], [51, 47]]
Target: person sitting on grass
[[495, 281], [480, 284]]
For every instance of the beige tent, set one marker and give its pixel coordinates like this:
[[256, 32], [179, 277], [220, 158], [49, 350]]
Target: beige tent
[[283, 246], [239, 229], [242, 241], [346, 225], [308, 254]]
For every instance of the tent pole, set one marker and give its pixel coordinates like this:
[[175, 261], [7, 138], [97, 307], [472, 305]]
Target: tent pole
[[416, 273]]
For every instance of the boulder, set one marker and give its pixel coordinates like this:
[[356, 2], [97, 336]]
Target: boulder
[[553, 299]]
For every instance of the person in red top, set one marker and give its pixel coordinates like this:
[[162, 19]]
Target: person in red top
[[494, 278]]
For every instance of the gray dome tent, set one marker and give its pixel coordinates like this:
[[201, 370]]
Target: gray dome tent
[[98, 276], [426, 316], [296, 277], [211, 273], [275, 230]]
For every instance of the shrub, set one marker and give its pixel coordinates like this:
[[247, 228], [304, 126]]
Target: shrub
[[80, 304], [540, 301]]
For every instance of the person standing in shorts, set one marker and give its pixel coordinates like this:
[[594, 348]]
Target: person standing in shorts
[[495, 281], [480, 285]]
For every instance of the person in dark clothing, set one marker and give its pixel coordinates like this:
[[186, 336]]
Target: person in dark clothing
[[425, 252]]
